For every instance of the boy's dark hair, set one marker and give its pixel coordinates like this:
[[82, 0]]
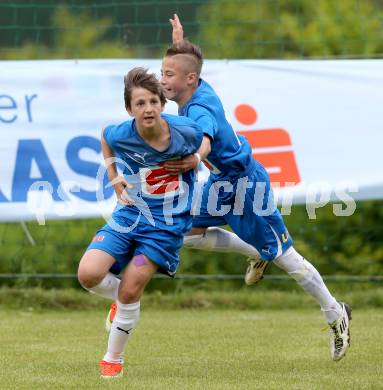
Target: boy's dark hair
[[186, 47], [140, 78]]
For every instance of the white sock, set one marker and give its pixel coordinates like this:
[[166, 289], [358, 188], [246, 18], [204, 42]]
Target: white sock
[[310, 280], [126, 317], [220, 240], [108, 287]]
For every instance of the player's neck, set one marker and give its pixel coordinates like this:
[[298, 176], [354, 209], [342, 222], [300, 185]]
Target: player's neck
[[158, 136], [186, 96]]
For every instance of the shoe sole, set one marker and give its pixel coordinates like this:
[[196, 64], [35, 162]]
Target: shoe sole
[[349, 315], [348, 310], [260, 265], [111, 377]]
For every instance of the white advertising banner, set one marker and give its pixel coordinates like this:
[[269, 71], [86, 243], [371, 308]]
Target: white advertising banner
[[315, 125]]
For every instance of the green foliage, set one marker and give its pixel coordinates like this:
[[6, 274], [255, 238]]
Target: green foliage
[[224, 28], [342, 245], [75, 35], [245, 298], [291, 28], [82, 36], [41, 30], [335, 245]]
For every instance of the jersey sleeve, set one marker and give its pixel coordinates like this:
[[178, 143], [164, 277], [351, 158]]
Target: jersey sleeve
[[110, 135], [192, 137], [204, 119], [196, 140]]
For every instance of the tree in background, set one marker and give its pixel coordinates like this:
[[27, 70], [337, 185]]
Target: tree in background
[[224, 28], [75, 35], [291, 28]]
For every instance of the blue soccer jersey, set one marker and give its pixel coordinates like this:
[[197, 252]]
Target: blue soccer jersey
[[231, 159], [156, 223], [155, 191], [230, 155]]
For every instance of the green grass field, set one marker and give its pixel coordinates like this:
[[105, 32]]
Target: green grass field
[[190, 349]]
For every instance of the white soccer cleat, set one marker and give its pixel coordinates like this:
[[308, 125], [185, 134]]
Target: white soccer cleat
[[340, 333], [255, 270]]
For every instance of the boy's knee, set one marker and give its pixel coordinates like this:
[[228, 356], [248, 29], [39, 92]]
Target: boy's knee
[[88, 279], [129, 294]]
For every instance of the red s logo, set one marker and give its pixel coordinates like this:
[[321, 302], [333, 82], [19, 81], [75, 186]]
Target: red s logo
[[271, 147], [157, 181]]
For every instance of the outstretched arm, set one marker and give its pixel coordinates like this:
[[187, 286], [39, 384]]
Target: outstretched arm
[[189, 162], [178, 31]]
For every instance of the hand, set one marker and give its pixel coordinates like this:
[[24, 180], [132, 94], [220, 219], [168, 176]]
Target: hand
[[178, 31], [121, 186], [183, 165]]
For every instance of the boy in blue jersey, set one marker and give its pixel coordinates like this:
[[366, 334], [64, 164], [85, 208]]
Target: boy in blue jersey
[[145, 232], [238, 191]]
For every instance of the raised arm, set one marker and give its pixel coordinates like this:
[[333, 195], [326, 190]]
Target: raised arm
[[118, 182], [178, 31]]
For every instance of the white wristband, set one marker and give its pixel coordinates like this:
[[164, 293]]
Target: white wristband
[[198, 156], [197, 167]]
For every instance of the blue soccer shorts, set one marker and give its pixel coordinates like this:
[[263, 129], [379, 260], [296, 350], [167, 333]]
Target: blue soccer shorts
[[159, 245], [248, 208]]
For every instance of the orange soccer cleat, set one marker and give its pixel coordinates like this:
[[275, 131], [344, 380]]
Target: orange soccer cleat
[[111, 370]]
